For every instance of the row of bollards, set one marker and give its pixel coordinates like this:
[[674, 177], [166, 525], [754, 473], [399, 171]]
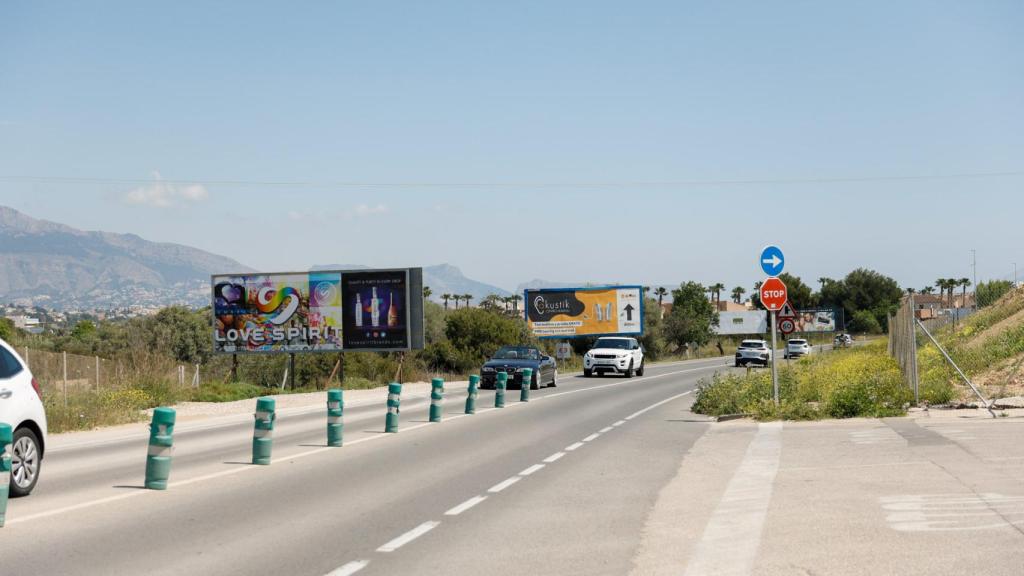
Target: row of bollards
[[161, 429]]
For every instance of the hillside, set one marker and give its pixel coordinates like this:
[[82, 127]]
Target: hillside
[[442, 279], [61, 267]]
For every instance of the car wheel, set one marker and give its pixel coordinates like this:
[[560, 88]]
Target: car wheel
[[640, 370], [587, 373], [25, 462], [534, 382], [554, 379], [629, 371]]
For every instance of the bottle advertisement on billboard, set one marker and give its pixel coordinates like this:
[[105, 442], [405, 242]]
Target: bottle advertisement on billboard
[[376, 316], [577, 312]]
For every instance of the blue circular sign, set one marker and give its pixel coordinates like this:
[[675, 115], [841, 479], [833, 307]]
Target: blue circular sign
[[772, 260]]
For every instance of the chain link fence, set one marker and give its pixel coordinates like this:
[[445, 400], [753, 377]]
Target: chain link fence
[[903, 342]]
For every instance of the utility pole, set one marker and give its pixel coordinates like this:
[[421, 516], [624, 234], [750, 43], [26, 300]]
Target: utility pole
[[974, 257]]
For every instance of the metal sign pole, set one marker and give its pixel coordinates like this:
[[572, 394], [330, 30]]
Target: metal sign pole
[[775, 376]]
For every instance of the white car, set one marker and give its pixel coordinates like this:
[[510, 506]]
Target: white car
[[616, 355], [796, 348], [753, 352], [21, 406]]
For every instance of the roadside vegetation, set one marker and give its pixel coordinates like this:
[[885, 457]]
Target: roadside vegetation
[[863, 381]]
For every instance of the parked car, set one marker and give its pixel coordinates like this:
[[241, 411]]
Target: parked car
[[796, 348], [21, 406], [753, 352], [615, 355], [512, 360], [842, 340]]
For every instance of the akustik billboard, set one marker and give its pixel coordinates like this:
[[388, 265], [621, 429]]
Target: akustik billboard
[[323, 311], [578, 312]]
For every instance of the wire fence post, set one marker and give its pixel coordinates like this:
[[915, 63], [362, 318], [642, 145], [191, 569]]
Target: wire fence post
[[64, 386], [97, 373], [195, 378]]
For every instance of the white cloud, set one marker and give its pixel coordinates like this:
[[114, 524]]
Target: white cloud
[[367, 210], [160, 194]]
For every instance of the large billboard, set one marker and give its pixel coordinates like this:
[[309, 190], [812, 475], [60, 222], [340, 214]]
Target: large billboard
[[742, 323], [577, 312], [816, 320], [322, 311]]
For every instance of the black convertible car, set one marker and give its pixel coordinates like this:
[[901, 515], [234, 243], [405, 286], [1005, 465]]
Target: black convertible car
[[512, 360]]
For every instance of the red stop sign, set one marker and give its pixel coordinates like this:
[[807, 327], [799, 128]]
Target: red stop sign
[[773, 294]]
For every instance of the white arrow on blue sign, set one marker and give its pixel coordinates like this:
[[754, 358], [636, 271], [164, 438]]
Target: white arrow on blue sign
[[772, 260]]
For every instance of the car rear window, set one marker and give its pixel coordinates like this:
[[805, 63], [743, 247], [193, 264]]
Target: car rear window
[[9, 365], [798, 342], [752, 344]]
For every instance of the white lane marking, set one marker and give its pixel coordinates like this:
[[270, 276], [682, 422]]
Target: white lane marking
[[653, 406], [532, 469], [240, 469], [408, 537], [619, 423], [605, 430], [503, 485], [591, 438], [465, 506], [953, 512], [733, 534], [350, 568], [555, 457], [633, 381]]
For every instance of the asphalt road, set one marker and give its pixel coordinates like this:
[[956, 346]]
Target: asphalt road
[[560, 485]]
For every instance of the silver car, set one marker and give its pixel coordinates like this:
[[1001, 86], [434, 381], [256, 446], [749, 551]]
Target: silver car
[[796, 348], [753, 352]]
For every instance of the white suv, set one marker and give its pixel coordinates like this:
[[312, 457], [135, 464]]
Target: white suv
[[21, 406], [753, 352], [797, 348], [617, 355]]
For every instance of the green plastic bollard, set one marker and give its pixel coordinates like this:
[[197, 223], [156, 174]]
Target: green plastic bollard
[[161, 448], [6, 438], [335, 411], [500, 382], [436, 399], [524, 388], [474, 383], [263, 432], [394, 400]]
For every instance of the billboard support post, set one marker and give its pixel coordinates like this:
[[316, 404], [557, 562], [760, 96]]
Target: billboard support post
[[291, 370]]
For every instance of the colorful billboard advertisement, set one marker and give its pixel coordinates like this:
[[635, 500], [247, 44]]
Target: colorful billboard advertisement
[[265, 313], [577, 312], [816, 320], [377, 310]]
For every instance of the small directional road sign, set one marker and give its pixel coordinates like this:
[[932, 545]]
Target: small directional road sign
[[772, 260]]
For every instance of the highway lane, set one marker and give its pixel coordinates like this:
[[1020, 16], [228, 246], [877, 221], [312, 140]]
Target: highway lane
[[319, 509]]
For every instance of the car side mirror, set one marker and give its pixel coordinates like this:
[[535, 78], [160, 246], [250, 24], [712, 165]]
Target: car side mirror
[[546, 358]]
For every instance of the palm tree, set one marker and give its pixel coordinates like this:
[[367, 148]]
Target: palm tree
[[737, 293], [928, 290], [910, 290], [660, 292], [446, 297], [515, 302], [467, 298], [964, 283], [427, 292], [717, 288], [943, 284]]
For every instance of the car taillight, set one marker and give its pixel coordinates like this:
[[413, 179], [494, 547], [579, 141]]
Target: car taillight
[[35, 386]]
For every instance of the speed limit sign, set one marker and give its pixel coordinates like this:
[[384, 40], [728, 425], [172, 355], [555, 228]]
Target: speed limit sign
[[787, 326]]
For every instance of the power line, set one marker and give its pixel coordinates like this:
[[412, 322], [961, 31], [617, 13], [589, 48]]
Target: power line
[[523, 184]]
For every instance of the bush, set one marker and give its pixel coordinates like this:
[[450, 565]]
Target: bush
[[865, 322]]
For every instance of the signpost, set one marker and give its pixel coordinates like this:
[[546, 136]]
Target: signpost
[[787, 326], [774, 297]]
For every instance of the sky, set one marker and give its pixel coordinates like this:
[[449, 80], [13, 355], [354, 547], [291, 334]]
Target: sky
[[641, 142]]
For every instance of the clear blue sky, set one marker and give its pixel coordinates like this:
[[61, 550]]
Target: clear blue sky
[[524, 135]]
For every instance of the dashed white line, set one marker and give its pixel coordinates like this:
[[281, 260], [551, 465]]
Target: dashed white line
[[619, 423], [350, 568], [532, 469], [591, 438], [503, 485], [555, 457], [574, 447], [605, 430], [465, 506], [408, 537]]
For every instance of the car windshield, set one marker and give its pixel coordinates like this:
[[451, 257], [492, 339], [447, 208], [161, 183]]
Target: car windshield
[[517, 353], [752, 344], [613, 343]]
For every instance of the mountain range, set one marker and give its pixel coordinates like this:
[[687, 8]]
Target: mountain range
[[442, 279]]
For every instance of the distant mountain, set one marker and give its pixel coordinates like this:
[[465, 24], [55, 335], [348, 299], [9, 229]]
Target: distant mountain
[[537, 284], [60, 267], [442, 279]]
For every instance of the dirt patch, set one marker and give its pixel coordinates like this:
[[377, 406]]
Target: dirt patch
[[1003, 380], [996, 329]]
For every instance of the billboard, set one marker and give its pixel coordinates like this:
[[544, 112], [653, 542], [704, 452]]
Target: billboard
[[577, 312], [816, 320], [322, 311], [742, 323]]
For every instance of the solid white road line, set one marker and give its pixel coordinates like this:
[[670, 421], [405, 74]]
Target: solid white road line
[[652, 407], [605, 430], [555, 457], [532, 469], [733, 534], [408, 537], [350, 568], [503, 485], [619, 423], [574, 447], [592, 437], [465, 506]]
